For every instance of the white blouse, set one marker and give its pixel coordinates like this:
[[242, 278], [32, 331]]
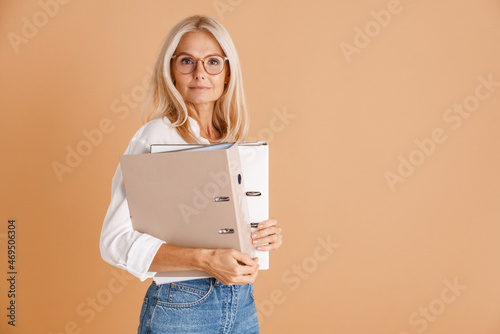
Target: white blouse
[[120, 244]]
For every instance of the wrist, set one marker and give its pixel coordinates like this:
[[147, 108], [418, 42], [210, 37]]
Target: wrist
[[201, 258]]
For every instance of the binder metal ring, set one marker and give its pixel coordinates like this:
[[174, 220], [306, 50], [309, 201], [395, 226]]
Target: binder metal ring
[[226, 231], [221, 199], [253, 193]]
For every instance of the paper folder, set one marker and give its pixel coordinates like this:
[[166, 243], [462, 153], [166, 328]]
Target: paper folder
[[190, 198], [255, 166]]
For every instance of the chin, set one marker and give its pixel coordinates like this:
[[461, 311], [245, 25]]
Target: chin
[[200, 99]]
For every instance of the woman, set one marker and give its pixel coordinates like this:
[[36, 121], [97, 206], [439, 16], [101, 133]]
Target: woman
[[196, 96]]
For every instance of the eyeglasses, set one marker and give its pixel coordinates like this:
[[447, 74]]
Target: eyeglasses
[[187, 64]]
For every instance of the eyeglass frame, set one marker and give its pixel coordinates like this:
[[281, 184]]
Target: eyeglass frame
[[203, 62]]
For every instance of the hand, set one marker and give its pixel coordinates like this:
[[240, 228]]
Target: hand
[[230, 266], [269, 233]]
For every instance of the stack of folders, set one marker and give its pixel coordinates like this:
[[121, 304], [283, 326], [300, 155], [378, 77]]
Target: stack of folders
[[201, 196]]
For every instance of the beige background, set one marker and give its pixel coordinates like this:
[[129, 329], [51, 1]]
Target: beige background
[[345, 122]]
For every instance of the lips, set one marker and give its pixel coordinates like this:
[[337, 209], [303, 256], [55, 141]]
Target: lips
[[200, 88]]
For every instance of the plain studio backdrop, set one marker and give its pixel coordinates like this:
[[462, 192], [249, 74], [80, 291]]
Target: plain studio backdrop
[[383, 122]]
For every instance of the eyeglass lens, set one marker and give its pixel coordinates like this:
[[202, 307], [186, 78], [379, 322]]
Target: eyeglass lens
[[187, 64]]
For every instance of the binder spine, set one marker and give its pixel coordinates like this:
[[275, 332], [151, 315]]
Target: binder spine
[[240, 201]]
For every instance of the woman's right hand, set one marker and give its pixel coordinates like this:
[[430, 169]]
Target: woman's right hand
[[230, 266]]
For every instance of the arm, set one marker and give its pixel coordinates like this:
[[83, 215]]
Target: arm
[[120, 244], [144, 255], [227, 265]]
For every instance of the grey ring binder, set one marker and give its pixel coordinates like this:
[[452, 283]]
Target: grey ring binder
[[254, 159]]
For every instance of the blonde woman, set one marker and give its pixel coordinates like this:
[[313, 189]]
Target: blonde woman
[[196, 96]]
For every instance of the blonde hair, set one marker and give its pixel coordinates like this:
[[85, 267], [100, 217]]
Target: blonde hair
[[230, 116]]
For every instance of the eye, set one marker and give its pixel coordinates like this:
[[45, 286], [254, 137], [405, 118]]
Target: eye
[[187, 61], [213, 61]]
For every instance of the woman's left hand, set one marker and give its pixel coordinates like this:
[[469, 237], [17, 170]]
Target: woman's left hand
[[269, 233]]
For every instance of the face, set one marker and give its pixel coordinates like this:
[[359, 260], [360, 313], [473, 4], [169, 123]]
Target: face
[[199, 87]]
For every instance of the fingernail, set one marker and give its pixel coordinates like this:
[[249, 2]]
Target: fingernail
[[261, 226]]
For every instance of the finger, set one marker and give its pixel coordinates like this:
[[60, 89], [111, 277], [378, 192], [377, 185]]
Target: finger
[[238, 277], [247, 270], [244, 280], [268, 223], [269, 247], [249, 278], [243, 275], [243, 258], [266, 240], [266, 231], [272, 245]]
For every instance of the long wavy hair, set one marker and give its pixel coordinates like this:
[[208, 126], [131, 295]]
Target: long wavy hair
[[230, 116]]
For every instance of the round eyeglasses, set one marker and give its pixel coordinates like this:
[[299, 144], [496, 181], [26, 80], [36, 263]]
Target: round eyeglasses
[[187, 64]]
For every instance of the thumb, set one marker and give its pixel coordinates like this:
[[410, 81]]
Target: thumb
[[244, 259]]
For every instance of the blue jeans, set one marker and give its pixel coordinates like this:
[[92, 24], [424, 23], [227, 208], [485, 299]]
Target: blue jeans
[[199, 306]]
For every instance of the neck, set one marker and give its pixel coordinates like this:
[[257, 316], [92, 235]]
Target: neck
[[204, 113]]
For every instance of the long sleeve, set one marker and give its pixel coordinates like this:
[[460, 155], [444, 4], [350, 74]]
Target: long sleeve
[[120, 244]]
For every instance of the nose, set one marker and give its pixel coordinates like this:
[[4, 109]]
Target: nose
[[199, 71]]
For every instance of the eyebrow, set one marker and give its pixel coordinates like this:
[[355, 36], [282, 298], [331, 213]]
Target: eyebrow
[[211, 54]]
